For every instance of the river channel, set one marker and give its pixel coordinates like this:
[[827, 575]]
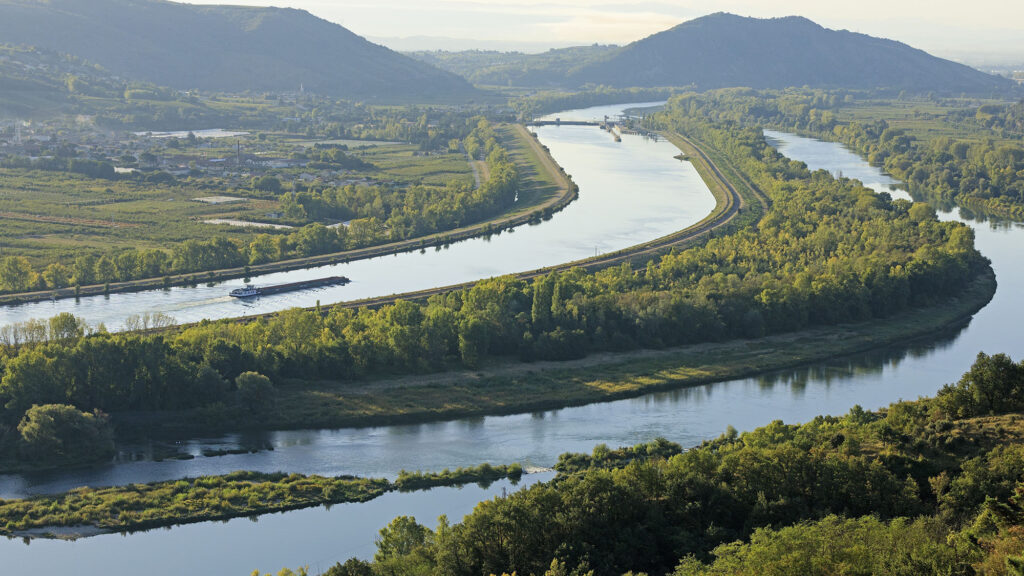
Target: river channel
[[320, 537], [630, 192]]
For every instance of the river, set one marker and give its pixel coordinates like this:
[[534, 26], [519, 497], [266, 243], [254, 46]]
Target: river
[[686, 416], [630, 192]]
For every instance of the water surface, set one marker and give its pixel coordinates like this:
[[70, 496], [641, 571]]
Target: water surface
[[630, 192], [687, 416]]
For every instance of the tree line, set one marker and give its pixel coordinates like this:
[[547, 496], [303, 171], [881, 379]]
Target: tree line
[[378, 214], [911, 489], [826, 251], [977, 172]]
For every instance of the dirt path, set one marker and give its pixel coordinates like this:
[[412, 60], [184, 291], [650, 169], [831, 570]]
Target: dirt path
[[474, 165]]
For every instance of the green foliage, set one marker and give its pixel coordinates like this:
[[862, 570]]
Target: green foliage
[[994, 384], [255, 391], [351, 567], [976, 171], [858, 494], [483, 474], [401, 537], [826, 251], [141, 506], [60, 433], [602, 457], [16, 274], [428, 197], [836, 545]]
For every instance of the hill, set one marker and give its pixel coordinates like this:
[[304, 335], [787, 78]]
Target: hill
[[34, 81], [225, 48], [493, 68], [722, 50]]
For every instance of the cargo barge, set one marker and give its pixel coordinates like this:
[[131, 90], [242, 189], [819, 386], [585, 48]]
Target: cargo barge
[[255, 291]]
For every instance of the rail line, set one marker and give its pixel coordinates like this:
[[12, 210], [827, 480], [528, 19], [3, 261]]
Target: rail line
[[729, 206]]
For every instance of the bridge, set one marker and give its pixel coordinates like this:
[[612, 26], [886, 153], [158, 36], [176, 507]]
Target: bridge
[[558, 122], [609, 125]]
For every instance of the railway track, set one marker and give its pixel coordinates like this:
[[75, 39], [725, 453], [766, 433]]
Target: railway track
[[727, 209], [730, 204]]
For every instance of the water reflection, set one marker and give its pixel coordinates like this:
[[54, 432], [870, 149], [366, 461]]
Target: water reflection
[[319, 537], [315, 537], [665, 196], [688, 416]]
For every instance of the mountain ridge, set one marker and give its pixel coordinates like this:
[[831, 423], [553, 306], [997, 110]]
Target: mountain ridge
[[224, 48], [722, 50]]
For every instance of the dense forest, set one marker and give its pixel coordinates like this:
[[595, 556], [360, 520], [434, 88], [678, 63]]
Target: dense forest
[[933, 486], [980, 173], [379, 214], [827, 251]]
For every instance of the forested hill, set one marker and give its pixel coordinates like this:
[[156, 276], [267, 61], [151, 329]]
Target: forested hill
[[724, 50], [490, 67], [225, 48], [34, 81]]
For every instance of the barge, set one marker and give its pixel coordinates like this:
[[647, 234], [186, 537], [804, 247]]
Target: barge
[[255, 291]]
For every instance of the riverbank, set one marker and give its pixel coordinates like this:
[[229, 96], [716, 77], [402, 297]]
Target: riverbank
[[735, 208], [510, 387], [85, 512], [547, 189]]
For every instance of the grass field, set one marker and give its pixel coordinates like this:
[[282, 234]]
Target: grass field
[[923, 119], [50, 216], [543, 189]]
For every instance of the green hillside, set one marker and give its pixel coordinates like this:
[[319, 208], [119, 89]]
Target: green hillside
[[225, 48], [724, 50]]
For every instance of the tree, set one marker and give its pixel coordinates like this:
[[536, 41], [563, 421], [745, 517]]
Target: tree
[[16, 274], [105, 270], [267, 184], [993, 385], [65, 326], [400, 538], [60, 432], [57, 275], [85, 270], [262, 249], [351, 567], [255, 391]]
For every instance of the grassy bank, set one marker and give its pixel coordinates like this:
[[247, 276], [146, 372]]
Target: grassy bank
[[90, 511], [514, 387], [735, 208]]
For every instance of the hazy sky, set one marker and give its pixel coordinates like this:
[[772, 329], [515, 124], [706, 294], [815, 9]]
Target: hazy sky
[[941, 26]]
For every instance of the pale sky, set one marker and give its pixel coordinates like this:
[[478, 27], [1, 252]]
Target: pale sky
[[943, 27]]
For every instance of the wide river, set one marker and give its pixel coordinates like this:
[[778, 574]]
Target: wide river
[[320, 536], [631, 192]]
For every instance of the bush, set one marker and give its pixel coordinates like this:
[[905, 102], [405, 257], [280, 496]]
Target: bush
[[55, 432], [255, 391]]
